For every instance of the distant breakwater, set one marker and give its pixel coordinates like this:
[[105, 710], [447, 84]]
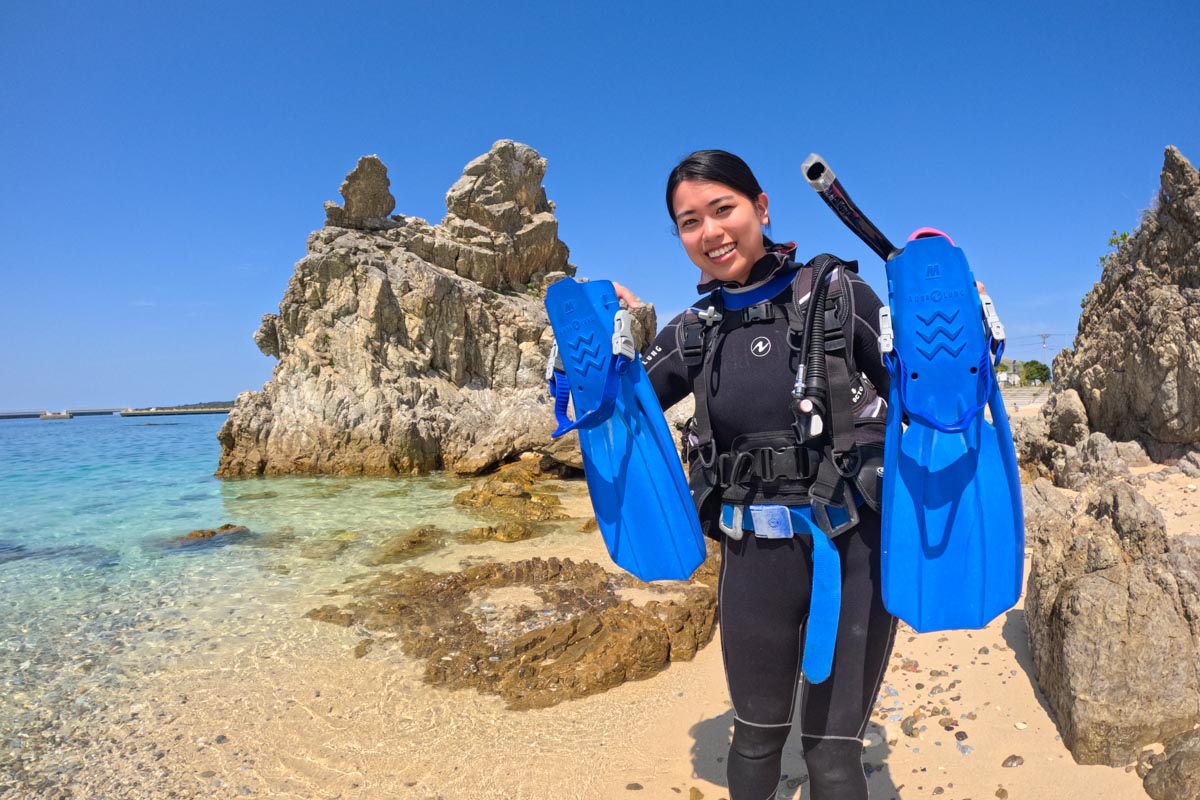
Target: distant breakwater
[[107, 412]]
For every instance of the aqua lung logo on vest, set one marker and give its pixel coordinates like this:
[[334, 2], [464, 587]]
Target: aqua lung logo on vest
[[760, 346]]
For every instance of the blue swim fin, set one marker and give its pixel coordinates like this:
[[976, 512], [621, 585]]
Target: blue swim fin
[[953, 526], [634, 473]]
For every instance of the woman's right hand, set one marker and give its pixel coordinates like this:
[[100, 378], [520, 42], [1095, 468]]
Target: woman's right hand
[[628, 296]]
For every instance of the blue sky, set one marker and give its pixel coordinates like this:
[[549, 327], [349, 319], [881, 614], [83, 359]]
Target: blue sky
[[162, 163]]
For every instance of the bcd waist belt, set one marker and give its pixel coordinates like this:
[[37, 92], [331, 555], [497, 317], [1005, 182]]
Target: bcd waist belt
[[825, 603], [779, 522]]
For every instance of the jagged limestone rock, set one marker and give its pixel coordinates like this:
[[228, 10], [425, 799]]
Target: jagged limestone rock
[[407, 347], [1136, 362], [368, 198]]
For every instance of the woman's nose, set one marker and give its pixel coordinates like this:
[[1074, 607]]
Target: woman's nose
[[712, 228]]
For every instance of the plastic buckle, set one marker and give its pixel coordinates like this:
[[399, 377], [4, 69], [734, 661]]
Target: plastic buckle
[[887, 334], [710, 315], [692, 349], [766, 465], [992, 318], [553, 363], [761, 312], [622, 339]]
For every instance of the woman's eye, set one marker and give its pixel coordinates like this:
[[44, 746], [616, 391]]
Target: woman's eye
[[687, 223], [724, 209]]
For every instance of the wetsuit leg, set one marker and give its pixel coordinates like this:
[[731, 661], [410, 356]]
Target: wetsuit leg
[[763, 599], [835, 712], [755, 759]]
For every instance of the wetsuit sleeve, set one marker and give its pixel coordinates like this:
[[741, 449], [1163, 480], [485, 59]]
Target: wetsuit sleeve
[[866, 333], [665, 368]]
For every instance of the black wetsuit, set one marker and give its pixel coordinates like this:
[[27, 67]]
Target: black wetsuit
[[765, 584]]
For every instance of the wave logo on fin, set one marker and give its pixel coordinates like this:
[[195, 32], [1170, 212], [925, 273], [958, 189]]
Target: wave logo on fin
[[929, 356], [940, 331], [939, 314], [944, 330], [588, 354]]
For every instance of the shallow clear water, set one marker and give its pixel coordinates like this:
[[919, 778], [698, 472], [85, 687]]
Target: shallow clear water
[[97, 590]]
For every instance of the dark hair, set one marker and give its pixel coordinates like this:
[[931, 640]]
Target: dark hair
[[717, 166]]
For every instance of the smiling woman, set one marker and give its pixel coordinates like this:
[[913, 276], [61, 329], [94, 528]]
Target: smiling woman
[[777, 473]]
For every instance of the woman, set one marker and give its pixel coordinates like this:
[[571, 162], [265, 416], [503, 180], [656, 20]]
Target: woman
[[755, 448]]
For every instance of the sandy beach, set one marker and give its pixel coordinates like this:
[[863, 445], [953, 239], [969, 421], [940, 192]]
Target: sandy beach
[[958, 717]]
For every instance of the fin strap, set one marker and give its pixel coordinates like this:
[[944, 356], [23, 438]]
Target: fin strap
[[560, 388], [899, 374]]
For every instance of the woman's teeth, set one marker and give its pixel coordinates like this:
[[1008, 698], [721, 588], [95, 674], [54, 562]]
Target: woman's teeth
[[720, 251]]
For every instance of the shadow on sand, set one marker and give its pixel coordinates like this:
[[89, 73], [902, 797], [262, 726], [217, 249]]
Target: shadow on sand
[[711, 747], [1016, 636]]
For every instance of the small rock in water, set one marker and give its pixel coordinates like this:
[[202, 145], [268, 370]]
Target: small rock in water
[[695, 794], [1020, 726], [1013, 761], [938, 790], [960, 735], [1002, 793], [221, 739], [634, 787]]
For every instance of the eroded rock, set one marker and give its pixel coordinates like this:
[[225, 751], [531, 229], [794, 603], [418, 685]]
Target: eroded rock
[[504, 532], [1112, 608], [406, 347], [535, 632], [406, 546], [1136, 362], [368, 198], [1175, 775]]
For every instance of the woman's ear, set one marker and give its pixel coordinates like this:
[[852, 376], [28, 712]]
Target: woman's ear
[[760, 205]]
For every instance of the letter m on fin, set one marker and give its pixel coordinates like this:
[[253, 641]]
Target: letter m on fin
[[933, 271]]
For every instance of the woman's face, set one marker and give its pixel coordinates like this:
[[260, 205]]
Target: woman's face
[[720, 228]]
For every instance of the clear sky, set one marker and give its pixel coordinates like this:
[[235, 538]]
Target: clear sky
[[162, 163]]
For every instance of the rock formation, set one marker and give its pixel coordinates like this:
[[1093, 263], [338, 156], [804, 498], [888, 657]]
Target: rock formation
[[1113, 609], [1136, 364], [1175, 774], [536, 632], [1113, 603], [367, 196], [407, 347]]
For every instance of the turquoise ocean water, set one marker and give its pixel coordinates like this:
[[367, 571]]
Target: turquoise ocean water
[[96, 589]]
